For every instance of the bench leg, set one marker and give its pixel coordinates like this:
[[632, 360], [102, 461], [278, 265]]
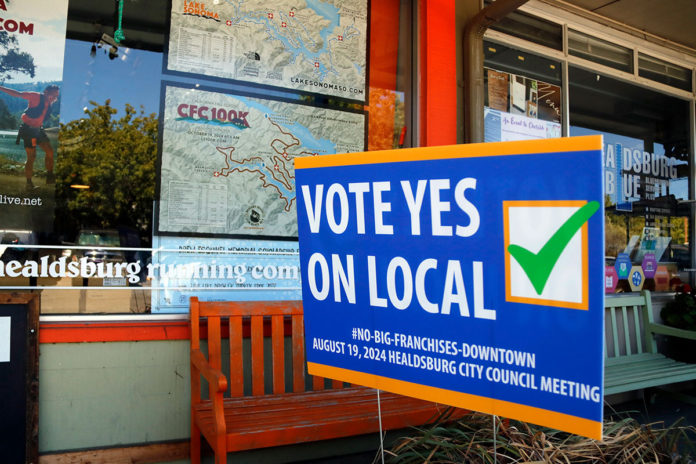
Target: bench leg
[[221, 450], [195, 444]]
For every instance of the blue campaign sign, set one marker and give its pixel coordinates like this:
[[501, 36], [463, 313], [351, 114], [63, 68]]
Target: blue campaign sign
[[468, 275]]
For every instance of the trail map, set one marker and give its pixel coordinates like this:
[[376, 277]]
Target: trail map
[[315, 46], [227, 163]]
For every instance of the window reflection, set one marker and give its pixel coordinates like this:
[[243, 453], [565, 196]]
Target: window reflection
[[99, 212], [646, 172]]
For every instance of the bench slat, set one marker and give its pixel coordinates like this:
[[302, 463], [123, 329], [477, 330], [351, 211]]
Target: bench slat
[[257, 374], [652, 370], [195, 324], [651, 344], [258, 418], [647, 383], [214, 355], [318, 383], [298, 356], [628, 360], [605, 341], [615, 331], [649, 376], [627, 338], [638, 332], [278, 350], [248, 308], [624, 300], [264, 422], [638, 370], [236, 381]]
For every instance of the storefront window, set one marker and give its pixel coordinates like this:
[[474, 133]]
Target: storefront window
[[531, 28], [167, 168], [664, 72], [600, 51], [647, 166], [522, 95]]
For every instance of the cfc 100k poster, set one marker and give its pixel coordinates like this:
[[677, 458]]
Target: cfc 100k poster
[[227, 162]]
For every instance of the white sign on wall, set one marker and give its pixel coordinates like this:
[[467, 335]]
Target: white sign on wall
[[4, 339]]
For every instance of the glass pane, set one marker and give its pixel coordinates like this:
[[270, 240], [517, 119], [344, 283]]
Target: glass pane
[[531, 28], [600, 51], [522, 95], [662, 71], [390, 124], [87, 233], [511, 60], [646, 162]]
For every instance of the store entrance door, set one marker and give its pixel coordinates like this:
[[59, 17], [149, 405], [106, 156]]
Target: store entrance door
[[19, 388]]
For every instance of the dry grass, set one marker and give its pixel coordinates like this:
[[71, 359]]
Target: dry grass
[[471, 440]]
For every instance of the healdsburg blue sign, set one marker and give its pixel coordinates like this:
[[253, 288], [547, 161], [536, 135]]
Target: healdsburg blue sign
[[468, 275]]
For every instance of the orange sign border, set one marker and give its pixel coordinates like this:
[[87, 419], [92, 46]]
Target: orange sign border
[[584, 304]]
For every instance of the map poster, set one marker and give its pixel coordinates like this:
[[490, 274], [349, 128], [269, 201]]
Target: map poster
[[227, 161], [32, 43], [316, 46]]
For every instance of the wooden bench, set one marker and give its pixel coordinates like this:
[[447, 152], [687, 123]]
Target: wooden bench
[[631, 358], [231, 419]]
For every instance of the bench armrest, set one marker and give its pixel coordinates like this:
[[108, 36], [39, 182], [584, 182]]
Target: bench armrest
[[672, 331], [214, 377]]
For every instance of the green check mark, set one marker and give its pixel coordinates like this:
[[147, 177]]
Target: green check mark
[[538, 266]]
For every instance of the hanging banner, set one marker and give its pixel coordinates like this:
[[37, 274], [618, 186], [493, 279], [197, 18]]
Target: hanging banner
[[227, 160], [311, 45], [221, 270], [468, 275], [632, 173], [31, 69]]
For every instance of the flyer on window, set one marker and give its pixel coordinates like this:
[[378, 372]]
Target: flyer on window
[[227, 162], [32, 44], [520, 108], [314, 46]]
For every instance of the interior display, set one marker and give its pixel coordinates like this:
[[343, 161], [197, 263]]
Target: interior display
[[519, 108]]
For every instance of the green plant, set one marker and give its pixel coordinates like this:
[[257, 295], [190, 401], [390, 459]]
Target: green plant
[[680, 312]]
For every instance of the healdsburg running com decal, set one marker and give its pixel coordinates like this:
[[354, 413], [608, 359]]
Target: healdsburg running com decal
[[468, 275]]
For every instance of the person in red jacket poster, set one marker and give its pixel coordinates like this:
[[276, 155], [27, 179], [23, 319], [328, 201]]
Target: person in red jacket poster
[[32, 50], [31, 130]]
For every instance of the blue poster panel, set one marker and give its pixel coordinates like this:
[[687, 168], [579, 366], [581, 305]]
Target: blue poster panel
[[216, 269], [468, 275]]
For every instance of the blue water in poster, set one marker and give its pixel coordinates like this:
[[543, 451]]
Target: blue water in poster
[[427, 272]]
